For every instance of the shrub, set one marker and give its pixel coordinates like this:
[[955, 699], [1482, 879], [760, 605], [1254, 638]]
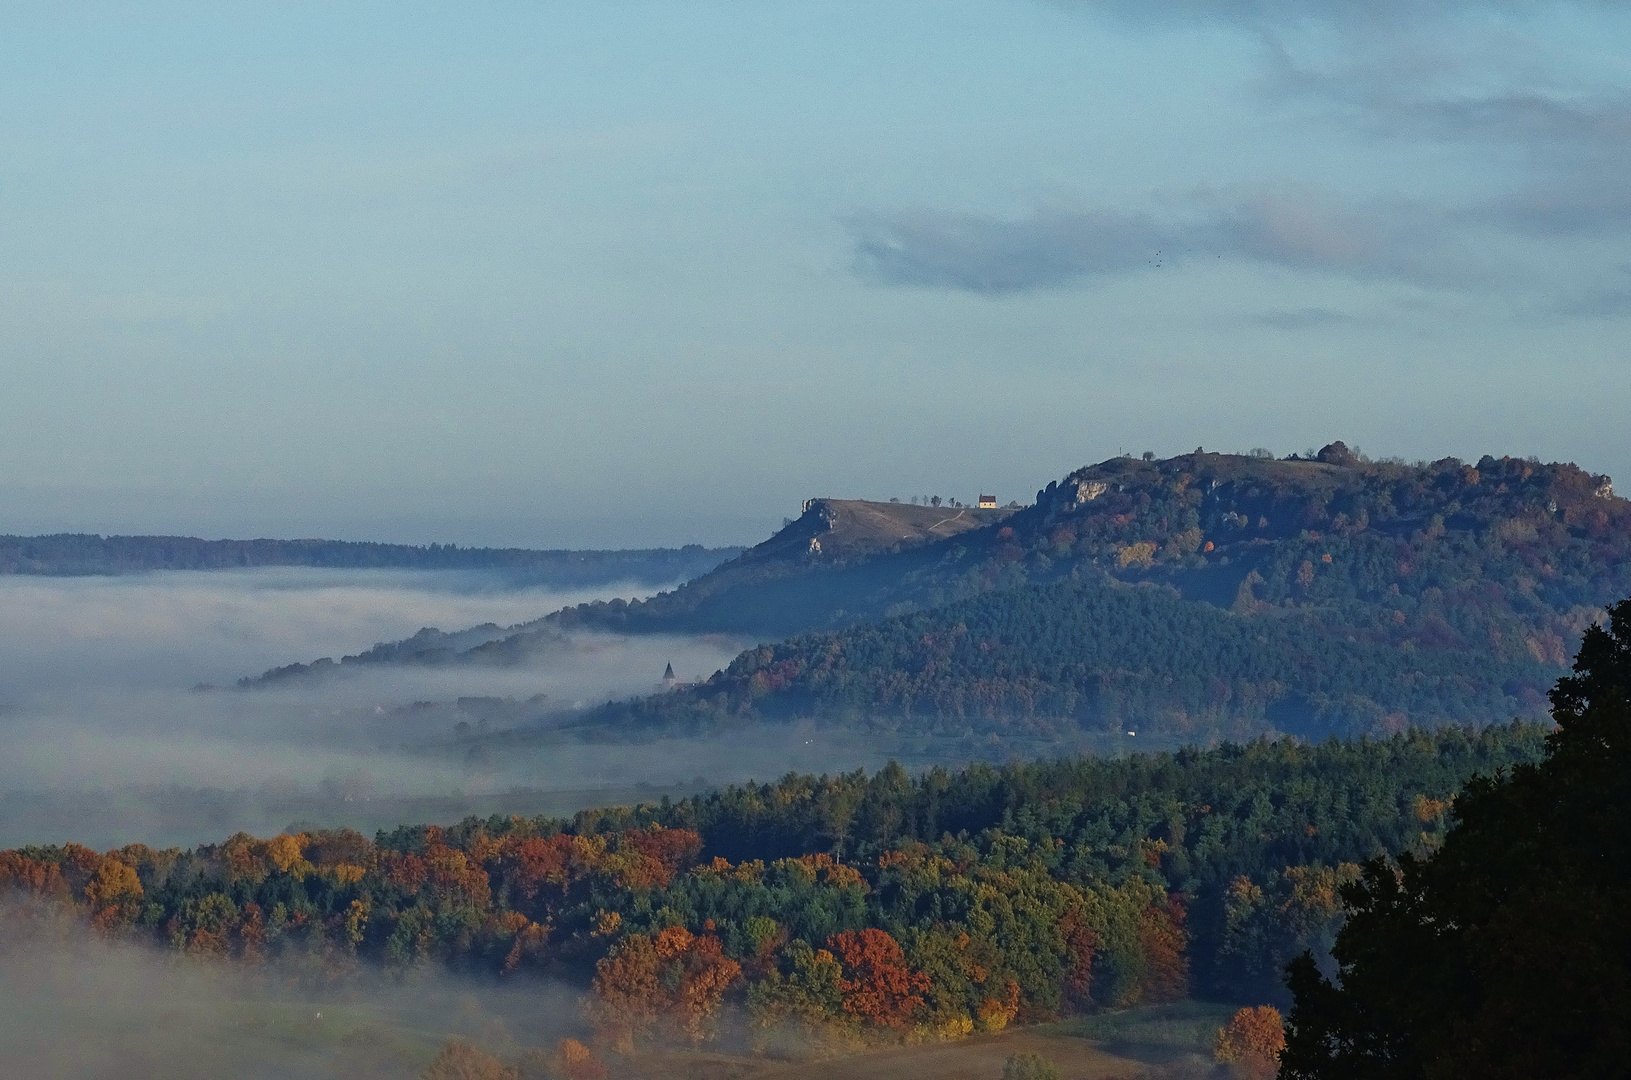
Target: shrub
[[461, 1060], [1029, 1066]]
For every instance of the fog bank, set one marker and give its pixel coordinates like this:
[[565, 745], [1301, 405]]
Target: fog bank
[[78, 1006], [109, 740]]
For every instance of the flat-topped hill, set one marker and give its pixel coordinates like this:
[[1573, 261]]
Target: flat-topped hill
[[844, 528]]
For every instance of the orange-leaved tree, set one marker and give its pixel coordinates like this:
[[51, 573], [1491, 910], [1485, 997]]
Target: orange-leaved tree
[[1164, 940], [1252, 1040], [878, 986], [1080, 941], [704, 973], [673, 982], [114, 894]]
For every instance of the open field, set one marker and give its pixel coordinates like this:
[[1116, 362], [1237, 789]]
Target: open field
[[1152, 1042]]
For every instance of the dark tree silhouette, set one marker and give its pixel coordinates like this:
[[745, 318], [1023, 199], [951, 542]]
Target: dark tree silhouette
[[1506, 954]]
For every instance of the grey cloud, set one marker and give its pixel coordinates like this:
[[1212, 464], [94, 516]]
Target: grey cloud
[[1605, 304], [1297, 229], [1308, 318], [1466, 71], [1373, 14], [1530, 115], [1448, 71], [95, 1008], [1413, 84], [1585, 204], [106, 743], [989, 255], [1576, 140], [169, 630]]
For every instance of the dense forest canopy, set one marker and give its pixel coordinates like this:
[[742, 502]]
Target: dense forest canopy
[[942, 904], [68, 554], [1091, 654]]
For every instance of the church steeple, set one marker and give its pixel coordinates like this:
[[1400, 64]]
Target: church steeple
[[668, 676]]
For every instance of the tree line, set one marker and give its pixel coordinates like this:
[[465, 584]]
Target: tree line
[[884, 905], [70, 554]]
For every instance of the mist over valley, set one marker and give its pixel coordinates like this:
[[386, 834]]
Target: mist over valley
[[563, 800], [661, 542], [121, 723]]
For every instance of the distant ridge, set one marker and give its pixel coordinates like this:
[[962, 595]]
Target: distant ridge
[[89, 554], [1203, 596]]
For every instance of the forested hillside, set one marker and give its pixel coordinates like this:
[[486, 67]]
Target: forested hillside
[[841, 560], [1092, 654], [83, 554], [1214, 595], [1543, 541], [1206, 595], [883, 905]]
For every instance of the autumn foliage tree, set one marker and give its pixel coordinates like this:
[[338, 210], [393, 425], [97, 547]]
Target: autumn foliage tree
[[672, 983], [1252, 1041], [1080, 943], [1161, 933], [967, 900], [878, 987]]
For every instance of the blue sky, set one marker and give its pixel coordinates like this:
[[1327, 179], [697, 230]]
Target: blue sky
[[629, 273]]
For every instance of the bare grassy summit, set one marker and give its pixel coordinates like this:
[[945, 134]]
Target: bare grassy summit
[[839, 528]]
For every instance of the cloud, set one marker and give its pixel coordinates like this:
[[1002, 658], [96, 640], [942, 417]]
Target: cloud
[[1604, 305], [175, 629], [1446, 81], [1561, 142], [1588, 204], [1308, 318], [91, 1008], [1610, 303], [1520, 81], [1297, 228], [993, 256], [1549, 141], [1373, 15]]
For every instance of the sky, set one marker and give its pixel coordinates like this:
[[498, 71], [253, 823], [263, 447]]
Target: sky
[[621, 274]]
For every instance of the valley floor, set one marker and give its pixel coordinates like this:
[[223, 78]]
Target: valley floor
[[1148, 1042], [978, 1058]]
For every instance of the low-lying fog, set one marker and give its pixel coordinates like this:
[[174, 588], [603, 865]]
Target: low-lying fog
[[108, 740], [89, 1008]]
